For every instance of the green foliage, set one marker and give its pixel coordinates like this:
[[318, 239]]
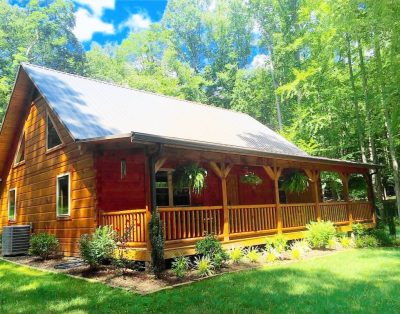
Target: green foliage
[[211, 247], [190, 176], [319, 233], [383, 237], [204, 266], [332, 244], [99, 247], [180, 266], [236, 255], [253, 255], [359, 230], [157, 244], [345, 242], [366, 241], [271, 256], [296, 253], [295, 182], [251, 178], [43, 245], [278, 242]]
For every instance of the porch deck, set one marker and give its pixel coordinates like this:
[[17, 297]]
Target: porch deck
[[241, 225]]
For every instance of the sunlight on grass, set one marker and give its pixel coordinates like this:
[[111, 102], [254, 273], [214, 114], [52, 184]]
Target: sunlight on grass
[[358, 281]]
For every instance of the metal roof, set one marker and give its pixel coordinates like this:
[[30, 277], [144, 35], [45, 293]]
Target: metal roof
[[91, 109]]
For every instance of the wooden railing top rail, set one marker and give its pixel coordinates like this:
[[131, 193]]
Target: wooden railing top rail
[[252, 206], [122, 212], [186, 208], [297, 204]]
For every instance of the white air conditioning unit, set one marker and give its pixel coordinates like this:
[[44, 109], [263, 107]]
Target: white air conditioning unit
[[16, 240]]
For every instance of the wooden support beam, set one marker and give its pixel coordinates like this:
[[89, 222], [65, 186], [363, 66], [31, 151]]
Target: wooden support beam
[[270, 172], [216, 169], [159, 164], [277, 173], [314, 175], [345, 181]]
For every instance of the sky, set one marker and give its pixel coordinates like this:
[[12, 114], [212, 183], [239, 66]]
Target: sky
[[103, 21]]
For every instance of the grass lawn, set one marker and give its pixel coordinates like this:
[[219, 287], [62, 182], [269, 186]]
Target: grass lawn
[[357, 281]]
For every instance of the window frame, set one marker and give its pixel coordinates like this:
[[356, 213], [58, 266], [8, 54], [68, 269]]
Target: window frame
[[170, 188], [15, 163], [15, 204], [69, 194], [48, 150]]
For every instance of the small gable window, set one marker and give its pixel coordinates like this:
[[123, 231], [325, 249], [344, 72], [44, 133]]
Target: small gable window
[[53, 138], [63, 194], [20, 157], [12, 204]]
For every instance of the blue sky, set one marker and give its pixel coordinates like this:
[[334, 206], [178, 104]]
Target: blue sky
[[105, 21]]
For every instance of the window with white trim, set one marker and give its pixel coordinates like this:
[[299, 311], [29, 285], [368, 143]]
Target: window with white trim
[[63, 194], [12, 204], [53, 138], [20, 156]]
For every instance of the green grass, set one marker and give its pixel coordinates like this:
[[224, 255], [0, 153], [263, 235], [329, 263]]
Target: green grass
[[358, 281]]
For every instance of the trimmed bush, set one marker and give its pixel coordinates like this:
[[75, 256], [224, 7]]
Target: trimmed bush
[[319, 233], [43, 245], [98, 248], [157, 244], [211, 247], [359, 230], [367, 241]]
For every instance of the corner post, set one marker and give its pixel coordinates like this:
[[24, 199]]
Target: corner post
[[371, 198], [314, 175], [274, 174]]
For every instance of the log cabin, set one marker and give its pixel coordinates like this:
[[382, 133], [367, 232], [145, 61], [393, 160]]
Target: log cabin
[[77, 153]]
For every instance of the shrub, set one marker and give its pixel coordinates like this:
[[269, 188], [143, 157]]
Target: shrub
[[157, 244], [253, 255], [211, 247], [204, 266], [383, 237], [296, 253], [319, 233], [277, 242], [332, 244], [98, 248], [299, 248], [271, 256], [366, 241], [345, 242], [359, 230], [43, 245], [180, 266], [236, 255]]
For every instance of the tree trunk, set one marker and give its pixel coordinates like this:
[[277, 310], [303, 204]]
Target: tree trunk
[[360, 128], [276, 85], [386, 114], [377, 180]]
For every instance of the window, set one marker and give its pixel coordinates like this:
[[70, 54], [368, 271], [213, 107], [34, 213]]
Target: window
[[12, 204], [123, 169], [63, 194], [20, 157], [166, 195], [53, 139]]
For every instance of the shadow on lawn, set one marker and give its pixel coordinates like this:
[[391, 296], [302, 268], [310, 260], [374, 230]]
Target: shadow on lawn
[[331, 285]]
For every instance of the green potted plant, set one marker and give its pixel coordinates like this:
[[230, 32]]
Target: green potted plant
[[295, 182], [251, 178], [190, 176]]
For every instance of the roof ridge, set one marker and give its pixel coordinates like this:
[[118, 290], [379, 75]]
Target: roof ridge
[[135, 89]]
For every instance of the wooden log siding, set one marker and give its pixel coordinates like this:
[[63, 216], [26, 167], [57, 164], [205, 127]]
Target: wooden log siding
[[335, 211], [297, 215], [252, 218], [191, 222], [130, 225]]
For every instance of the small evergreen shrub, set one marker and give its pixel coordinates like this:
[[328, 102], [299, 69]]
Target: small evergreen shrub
[[367, 241], [236, 255], [43, 245], [277, 242], [211, 247], [319, 233], [253, 255], [204, 266], [383, 237], [180, 266], [157, 244], [98, 248], [359, 230]]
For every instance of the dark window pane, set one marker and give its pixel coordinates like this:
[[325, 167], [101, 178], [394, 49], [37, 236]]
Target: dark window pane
[[63, 195], [53, 139], [11, 204], [162, 188], [21, 151], [182, 198]]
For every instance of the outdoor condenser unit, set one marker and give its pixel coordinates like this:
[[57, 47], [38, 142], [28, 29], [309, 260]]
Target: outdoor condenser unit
[[15, 240]]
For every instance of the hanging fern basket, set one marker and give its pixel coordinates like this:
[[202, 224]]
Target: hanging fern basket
[[251, 178], [296, 182], [190, 176]]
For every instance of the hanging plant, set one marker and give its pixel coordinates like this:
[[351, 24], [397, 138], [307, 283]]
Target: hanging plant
[[190, 176], [251, 178], [296, 182]]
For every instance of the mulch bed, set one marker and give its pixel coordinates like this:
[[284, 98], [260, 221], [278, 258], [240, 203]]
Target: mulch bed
[[142, 281]]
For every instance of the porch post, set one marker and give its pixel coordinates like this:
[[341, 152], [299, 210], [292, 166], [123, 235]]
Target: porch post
[[345, 181], [313, 175], [222, 172], [274, 174]]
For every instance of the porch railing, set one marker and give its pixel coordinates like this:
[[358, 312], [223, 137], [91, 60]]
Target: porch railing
[[191, 223]]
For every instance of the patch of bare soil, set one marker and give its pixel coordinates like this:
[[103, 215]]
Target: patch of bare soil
[[141, 281]]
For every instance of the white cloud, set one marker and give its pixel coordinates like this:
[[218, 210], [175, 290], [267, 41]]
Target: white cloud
[[260, 61], [97, 6], [87, 24], [136, 22]]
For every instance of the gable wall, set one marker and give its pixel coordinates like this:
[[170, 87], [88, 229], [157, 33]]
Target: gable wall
[[35, 181]]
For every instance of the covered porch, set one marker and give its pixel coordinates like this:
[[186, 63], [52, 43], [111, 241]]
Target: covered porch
[[234, 212]]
